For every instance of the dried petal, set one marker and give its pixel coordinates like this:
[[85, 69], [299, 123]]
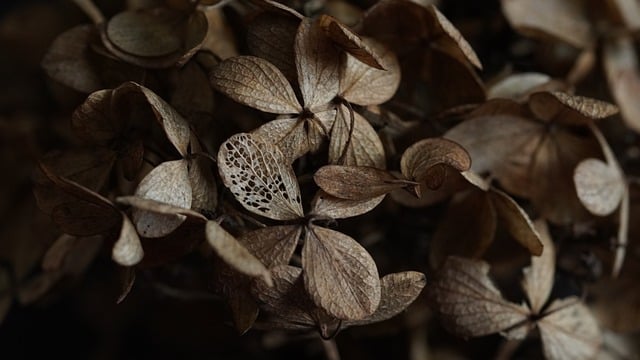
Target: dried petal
[[562, 20], [398, 291], [289, 134], [67, 60], [234, 253], [538, 278], [462, 50], [600, 186], [569, 331], [339, 274], [158, 207], [317, 64], [365, 85], [516, 222], [357, 182], [325, 205], [360, 147], [623, 74], [167, 183], [259, 177], [350, 42], [271, 37], [418, 161], [127, 251], [569, 109], [257, 83], [273, 245], [469, 303]]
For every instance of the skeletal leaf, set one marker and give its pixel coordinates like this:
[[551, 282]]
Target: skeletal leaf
[[358, 147], [273, 245], [623, 74], [317, 64], [357, 182], [259, 177], [127, 251], [469, 303], [325, 205], [350, 42], [398, 291], [365, 85], [67, 60], [420, 161], [234, 253], [339, 274], [562, 20], [538, 278], [167, 183], [255, 82], [569, 331]]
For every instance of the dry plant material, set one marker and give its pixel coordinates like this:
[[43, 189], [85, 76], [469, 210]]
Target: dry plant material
[[546, 142], [470, 305], [602, 188]]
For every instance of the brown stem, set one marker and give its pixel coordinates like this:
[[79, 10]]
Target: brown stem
[[91, 10], [331, 349]]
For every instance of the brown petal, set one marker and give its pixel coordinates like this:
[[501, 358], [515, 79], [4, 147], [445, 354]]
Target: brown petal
[[357, 182], [273, 245], [566, 21], [462, 50], [339, 274], [174, 125], [518, 86], [621, 67], [418, 160], [600, 186], [365, 85], [360, 147], [569, 331], [629, 10], [127, 250], [259, 177], [203, 184], [538, 278], [398, 291], [569, 109], [67, 60], [469, 304], [290, 135], [167, 183], [325, 205], [271, 37], [257, 83], [158, 207], [516, 222], [350, 42], [317, 64], [470, 240], [92, 122], [234, 253]]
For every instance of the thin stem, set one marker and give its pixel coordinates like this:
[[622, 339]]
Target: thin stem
[[91, 10], [331, 349]]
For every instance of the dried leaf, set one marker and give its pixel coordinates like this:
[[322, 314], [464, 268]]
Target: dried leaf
[[67, 61], [569, 331], [469, 303], [273, 245], [327, 206], [623, 74], [365, 85], [423, 157], [350, 42], [271, 37], [234, 253], [259, 177], [317, 64], [339, 274], [566, 21], [257, 83], [360, 147], [516, 222], [537, 281], [569, 109], [127, 251], [167, 183], [357, 182], [398, 291]]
